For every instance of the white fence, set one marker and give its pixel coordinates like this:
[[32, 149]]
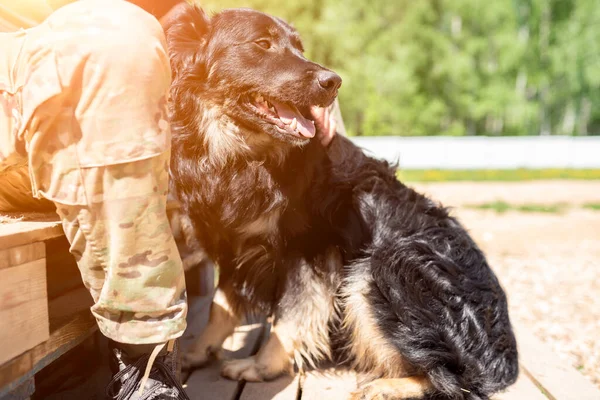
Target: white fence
[[485, 152]]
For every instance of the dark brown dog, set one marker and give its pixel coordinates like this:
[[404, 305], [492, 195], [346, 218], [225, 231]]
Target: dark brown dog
[[356, 268]]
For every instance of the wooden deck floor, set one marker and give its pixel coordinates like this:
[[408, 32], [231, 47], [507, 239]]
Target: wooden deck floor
[[543, 376]]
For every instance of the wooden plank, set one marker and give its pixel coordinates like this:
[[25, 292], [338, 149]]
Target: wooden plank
[[207, 383], [23, 307], [330, 385], [21, 254], [71, 322], [523, 389], [286, 388], [63, 307], [556, 377], [63, 273], [80, 374], [23, 392], [282, 388], [14, 234]]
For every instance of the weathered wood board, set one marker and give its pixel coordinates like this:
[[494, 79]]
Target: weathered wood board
[[23, 300]]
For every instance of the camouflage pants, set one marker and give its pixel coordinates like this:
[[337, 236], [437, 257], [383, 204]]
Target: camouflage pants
[[83, 98]]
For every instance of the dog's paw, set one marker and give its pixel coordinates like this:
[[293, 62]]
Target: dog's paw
[[393, 389], [200, 357], [250, 370], [370, 393]]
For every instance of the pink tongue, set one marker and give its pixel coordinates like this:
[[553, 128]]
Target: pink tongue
[[287, 113]]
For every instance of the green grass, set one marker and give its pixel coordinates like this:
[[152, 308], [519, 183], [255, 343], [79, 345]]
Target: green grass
[[592, 206], [500, 175], [556, 208], [543, 208], [502, 207], [498, 206]]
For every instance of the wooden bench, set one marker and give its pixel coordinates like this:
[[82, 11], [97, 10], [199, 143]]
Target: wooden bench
[[44, 308], [42, 315]]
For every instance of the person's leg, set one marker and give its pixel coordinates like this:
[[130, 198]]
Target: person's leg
[[94, 124], [94, 107], [126, 253]]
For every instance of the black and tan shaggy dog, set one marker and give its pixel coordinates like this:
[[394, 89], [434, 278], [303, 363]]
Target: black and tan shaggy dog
[[356, 268]]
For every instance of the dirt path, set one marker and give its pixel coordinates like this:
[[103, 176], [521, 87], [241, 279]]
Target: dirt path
[[549, 264]]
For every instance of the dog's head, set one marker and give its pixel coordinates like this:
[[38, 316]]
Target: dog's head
[[250, 66]]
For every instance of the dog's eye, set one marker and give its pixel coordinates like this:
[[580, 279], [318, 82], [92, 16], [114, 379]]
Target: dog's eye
[[264, 43]]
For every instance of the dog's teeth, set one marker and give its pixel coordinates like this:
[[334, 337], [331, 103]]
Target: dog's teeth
[[294, 124], [273, 109]]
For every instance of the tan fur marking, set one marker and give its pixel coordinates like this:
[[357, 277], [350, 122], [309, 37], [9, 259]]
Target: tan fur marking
[[372, 353], [276, 353], [273, 360], [190, 250], [188, 231], [394, 389], [309, 324], [256, 254], [221, 136], [261, 226], [226, 141], [301, 333], [221, 323]]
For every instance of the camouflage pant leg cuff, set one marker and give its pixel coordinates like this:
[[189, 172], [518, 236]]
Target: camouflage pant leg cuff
[[142, 332]]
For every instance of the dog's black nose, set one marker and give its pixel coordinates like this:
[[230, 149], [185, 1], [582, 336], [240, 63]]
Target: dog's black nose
[[329, 80]]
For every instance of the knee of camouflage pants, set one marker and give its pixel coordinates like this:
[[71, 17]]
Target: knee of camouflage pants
[[90, 93], [95, 93], [72, 84]]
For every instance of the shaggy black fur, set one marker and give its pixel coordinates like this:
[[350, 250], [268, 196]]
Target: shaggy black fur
[[435, 295], [435, 299]]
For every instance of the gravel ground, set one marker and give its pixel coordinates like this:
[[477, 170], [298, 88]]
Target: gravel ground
[[549, 264]]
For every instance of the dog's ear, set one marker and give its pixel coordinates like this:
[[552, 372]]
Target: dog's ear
[[186, 28]]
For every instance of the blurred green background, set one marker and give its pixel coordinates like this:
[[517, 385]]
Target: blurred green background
[[454, 67]]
